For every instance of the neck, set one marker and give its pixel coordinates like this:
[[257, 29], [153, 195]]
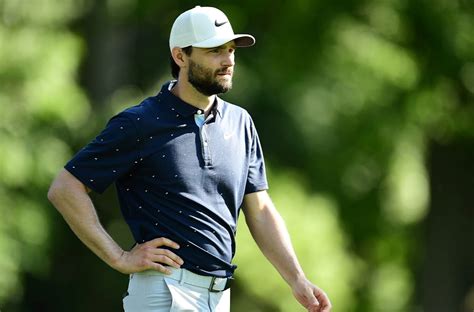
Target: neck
[[186, 92]]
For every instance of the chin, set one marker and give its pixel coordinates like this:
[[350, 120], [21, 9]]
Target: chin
[[226, 87], [226, 83]]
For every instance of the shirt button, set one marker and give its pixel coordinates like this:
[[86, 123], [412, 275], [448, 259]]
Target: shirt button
[[199, 111]]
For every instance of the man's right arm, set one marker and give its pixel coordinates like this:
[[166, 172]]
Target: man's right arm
[[71, 199]]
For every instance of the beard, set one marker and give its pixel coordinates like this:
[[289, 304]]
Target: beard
[[205, 80]]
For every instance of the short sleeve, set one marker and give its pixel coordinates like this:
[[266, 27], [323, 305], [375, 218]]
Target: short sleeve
[[256, 178], [110, 155]]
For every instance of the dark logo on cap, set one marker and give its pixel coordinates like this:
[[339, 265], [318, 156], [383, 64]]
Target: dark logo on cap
[[219, 24]]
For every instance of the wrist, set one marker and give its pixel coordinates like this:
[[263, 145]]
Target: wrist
[[296, 279], [116, 261]]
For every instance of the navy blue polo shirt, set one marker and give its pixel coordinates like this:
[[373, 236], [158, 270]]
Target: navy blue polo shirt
[[177, 179]]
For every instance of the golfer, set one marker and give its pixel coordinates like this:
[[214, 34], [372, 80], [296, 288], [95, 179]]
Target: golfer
[[184, 162]]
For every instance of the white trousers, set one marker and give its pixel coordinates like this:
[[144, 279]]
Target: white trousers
[[152, 291]]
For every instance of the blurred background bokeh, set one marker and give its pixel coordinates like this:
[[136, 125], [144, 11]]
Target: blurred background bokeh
[[365, 111]]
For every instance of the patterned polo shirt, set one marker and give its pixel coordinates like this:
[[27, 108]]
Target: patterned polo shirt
[[176, 177]]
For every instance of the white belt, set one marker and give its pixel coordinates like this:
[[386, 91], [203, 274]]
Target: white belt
[[212, 283]]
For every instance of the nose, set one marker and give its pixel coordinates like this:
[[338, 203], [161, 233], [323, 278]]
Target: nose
[[229, 58]]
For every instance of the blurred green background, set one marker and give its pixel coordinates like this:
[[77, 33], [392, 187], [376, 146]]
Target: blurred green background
[[365, 111]]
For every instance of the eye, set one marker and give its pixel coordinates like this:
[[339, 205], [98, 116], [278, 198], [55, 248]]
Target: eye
[[215, 51]]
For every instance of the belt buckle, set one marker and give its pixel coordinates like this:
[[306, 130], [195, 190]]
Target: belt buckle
[[213, 283]]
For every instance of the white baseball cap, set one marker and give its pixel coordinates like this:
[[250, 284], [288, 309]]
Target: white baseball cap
[[205, 27]]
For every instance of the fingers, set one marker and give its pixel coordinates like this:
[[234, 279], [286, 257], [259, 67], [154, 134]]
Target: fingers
[[326, 308], [162, 241], [325, 304], [313, 305], [160, 268], [311, 297], [166, 257], [156, 258]]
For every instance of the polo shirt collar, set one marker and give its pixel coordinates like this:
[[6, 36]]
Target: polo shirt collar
[[183, 108]]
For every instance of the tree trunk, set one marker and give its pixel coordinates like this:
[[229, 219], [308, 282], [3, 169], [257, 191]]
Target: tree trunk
[[447, 282]]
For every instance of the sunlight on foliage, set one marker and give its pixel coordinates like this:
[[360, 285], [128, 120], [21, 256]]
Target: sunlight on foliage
[[9, 251], [407, 190], [391, 288], [38, 92], [41, 12], [385, 19], [386, 60]]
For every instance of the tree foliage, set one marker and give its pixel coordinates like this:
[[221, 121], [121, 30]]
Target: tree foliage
[[349, 97]]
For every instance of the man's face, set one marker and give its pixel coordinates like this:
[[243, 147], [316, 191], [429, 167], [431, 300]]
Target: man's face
[[210, 70]]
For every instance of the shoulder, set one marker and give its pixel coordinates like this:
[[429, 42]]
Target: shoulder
[[143, 113], [142, 110], [239, 118], [131, 121], [234, 111]]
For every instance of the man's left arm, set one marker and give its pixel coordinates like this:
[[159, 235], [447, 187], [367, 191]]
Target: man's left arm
[[269, 232]]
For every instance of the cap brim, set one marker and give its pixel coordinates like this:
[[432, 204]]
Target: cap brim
[[241, 41]]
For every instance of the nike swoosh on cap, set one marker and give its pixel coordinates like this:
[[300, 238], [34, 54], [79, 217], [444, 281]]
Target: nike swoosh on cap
[[220, 24]]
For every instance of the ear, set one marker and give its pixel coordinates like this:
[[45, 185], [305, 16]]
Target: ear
[[179, 57]]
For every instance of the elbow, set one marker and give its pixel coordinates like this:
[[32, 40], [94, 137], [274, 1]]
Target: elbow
[[63, 188], [57, 189], [53, 192]]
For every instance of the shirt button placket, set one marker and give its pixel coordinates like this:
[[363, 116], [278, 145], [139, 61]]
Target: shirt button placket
[[206, 154]]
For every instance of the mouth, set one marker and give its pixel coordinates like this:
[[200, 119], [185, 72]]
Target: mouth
[[225, 73]]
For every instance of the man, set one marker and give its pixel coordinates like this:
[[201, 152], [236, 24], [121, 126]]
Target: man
[[184, 162]]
